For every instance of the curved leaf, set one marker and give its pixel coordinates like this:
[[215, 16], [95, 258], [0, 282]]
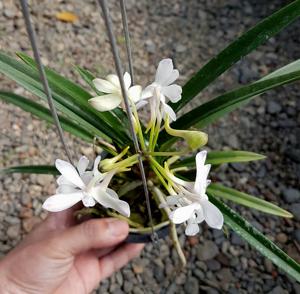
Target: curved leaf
[[257, 239], [289, 68], [31, 169], [106, 121], [250, 40], [220, 157], [233, 195], [28, 78], [44, 114]]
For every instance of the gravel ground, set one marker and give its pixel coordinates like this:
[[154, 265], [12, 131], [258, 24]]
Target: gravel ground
[[191, 32]]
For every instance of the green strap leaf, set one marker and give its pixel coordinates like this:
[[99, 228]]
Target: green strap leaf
[[31, 169], [28, 78], [212, 110], [257, 239], [44, 114], [249, 41], [220, 157], [289, 68], [233, 195], [87, 76], [79, 96]]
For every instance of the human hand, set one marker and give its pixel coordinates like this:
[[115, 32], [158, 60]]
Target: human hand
[[61, 257]]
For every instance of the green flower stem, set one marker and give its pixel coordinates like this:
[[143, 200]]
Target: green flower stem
[[156, 134], [162, 180], [159, 167], [174, 235], [124, 218], [152, 134], [139, 129]]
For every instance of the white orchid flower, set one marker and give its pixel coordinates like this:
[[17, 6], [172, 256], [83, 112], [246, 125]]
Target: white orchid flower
[[89, 187], [113, 94], [162, 90], [192, 204]]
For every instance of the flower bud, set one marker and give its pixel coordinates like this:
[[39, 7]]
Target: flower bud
[[195, 139]]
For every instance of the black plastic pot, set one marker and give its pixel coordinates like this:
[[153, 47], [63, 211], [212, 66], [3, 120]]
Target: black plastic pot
[[146, 238]]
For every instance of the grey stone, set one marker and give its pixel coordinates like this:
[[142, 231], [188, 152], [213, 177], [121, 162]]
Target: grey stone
[[119, 278], [225, 275], [297, 235], [191, 286], [137, 290], [13, 232], [295, 210], [296, 288], [291, 195], [172, 289], [159, 274], [128, 286], [207, 250], [213, 265], [237, 240], [150, 46], [278, 290], [199, 274], [238, 166], [273, 107]]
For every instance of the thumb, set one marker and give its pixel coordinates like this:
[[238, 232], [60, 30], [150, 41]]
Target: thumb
[[91, 234]]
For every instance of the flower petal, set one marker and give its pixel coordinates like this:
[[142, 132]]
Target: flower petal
[[172, 200], [114, 80], [169, 110], [88, 201], [135, 93], [172, 77], [202, 173], [96, 171], [192, 228], [69, 172], [82, 164], [213, 216], [173, 92], [104, 86], [127, 80], [182, 214], [65, 189], [61, 180], [141, 104], [148, 92], [164, 71], [87, 177], [109, 199], [199, 215], [61, 202], [105, 102]]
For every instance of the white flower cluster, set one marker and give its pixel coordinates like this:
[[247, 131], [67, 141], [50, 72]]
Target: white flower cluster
[[188, 200]]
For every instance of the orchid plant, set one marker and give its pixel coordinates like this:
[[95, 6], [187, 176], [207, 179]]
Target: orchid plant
[[177, 174]]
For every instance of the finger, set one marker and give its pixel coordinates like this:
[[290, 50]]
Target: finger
[[98, 253], [62, 219], [92, 234], [117, 259]]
